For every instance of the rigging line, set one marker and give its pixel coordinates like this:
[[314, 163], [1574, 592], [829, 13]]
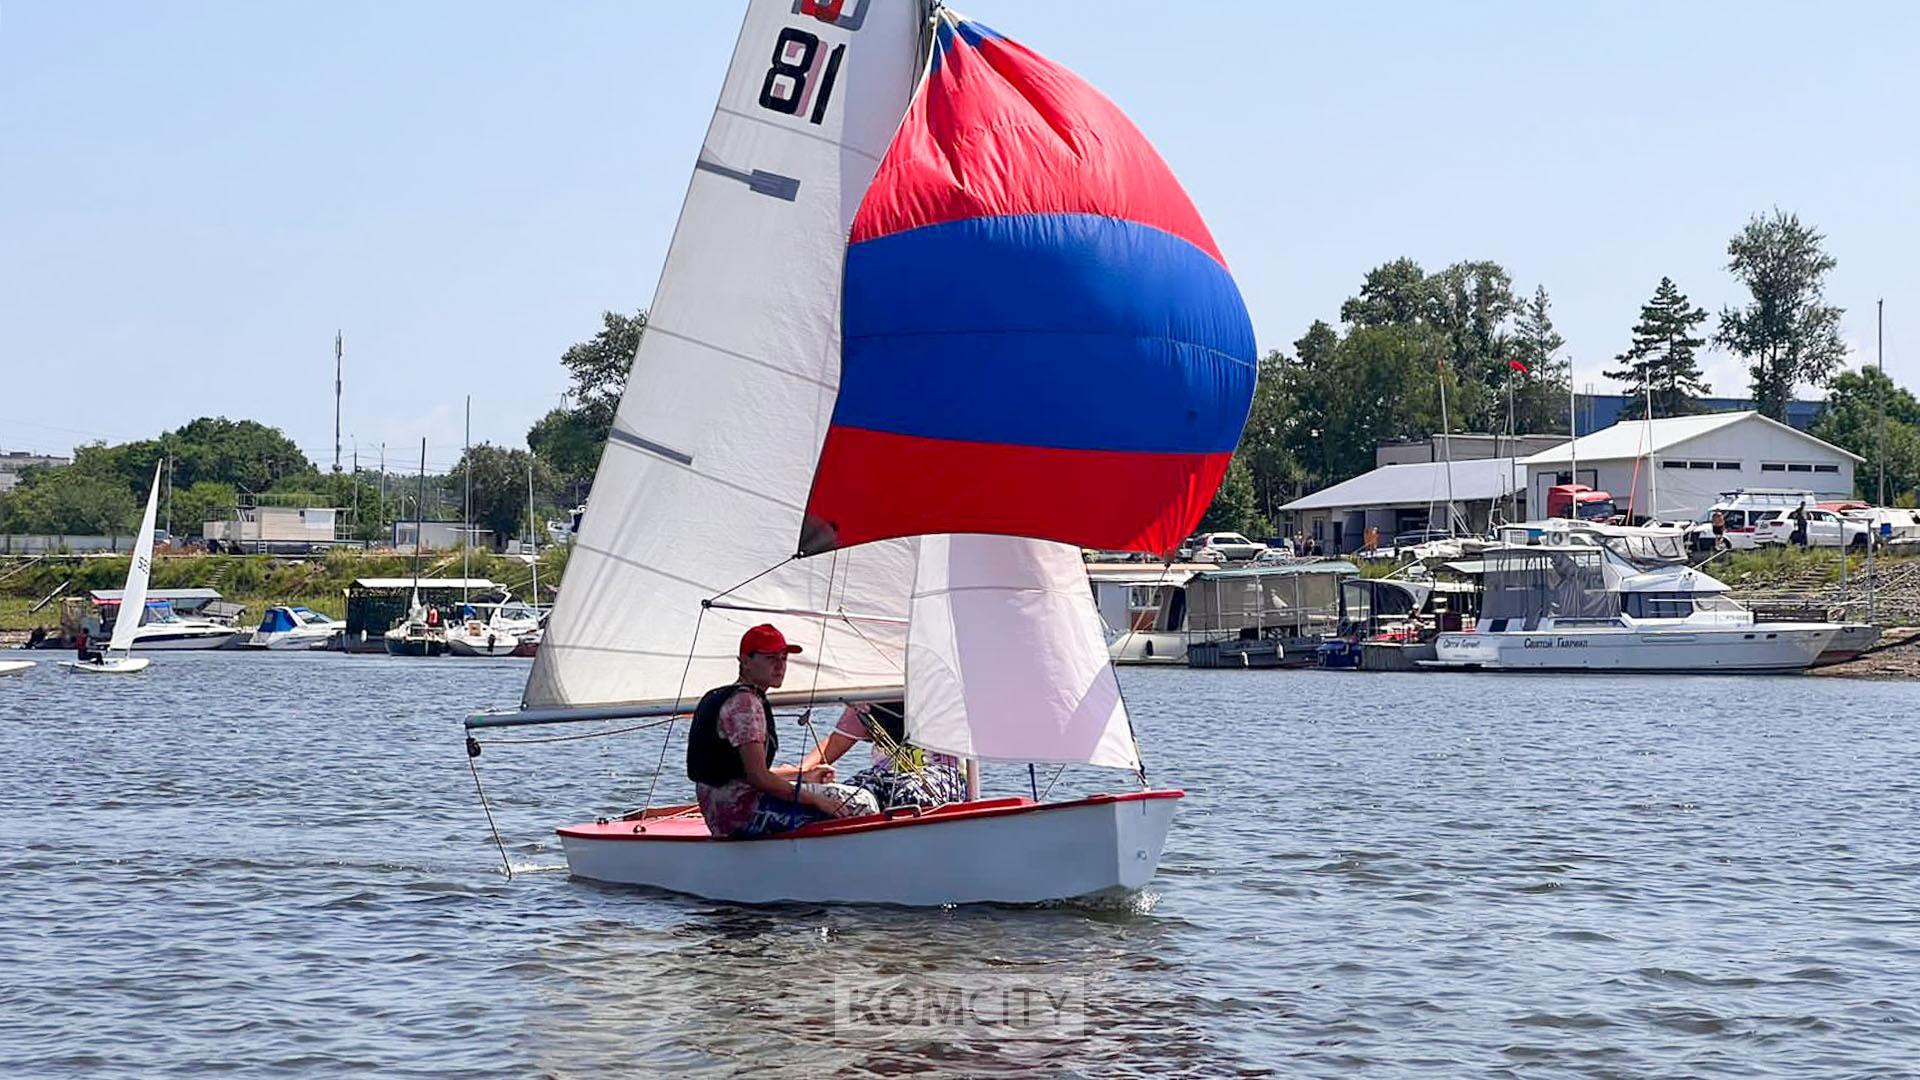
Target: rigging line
[[1057, 774], [736, 588], [679, 696], [813, 690], [473, 751], [1139, 759], [882, 653], [1166, 569], [587, 735]]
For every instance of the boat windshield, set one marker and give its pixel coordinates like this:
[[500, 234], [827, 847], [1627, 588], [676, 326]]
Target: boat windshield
[[311, 615], [1647, 547], [1526, 585]]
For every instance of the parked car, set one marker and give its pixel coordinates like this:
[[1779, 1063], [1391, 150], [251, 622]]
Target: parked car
[[1821, 528], [1741, 511], [1232, 547]]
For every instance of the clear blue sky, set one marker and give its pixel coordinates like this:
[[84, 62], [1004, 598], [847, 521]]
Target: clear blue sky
[[194, 196]]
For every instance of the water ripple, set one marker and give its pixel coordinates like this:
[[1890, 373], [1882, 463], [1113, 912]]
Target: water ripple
[[277, 866]]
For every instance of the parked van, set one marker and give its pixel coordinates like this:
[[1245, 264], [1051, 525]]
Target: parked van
[[1741, 511]]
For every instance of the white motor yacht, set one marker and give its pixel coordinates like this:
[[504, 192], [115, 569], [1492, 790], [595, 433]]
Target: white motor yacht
[[293, 627], [164, 628], [1582, 598], [492, 629]]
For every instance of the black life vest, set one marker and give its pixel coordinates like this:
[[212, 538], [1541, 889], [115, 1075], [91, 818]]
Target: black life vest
[[711, 759]]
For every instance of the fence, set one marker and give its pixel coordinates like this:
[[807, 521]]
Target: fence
[[41, 544]]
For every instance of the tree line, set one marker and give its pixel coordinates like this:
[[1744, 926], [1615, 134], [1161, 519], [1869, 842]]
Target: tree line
[[212, 465], [1408, 335]]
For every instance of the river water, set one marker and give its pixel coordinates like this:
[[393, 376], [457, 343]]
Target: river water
[[276, 865]]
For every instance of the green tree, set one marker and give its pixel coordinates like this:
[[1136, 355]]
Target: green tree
[[571, 448], [1850, 419], [1661, 357], [1234, 507], [599, 367], [500, 487], [571, 439], [1787, 333], [74, 504], [1265, 441], [1465, 307], [1540, 394]]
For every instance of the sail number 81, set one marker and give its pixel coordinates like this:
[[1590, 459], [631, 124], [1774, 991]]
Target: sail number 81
[[801, 79]]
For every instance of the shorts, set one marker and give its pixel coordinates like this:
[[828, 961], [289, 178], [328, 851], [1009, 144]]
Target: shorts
[[774, 815]]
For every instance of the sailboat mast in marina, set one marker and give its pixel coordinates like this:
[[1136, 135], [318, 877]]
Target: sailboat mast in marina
[[921, 284]]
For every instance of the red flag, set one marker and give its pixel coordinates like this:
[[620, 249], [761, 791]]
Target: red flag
[[1517, 365]]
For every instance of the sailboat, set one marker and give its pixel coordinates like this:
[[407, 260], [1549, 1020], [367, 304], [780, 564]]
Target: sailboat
[[118, 658], [913, 258], [419, 632]]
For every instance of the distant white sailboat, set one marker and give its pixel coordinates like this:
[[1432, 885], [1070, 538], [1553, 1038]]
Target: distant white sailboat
[[119, 658]]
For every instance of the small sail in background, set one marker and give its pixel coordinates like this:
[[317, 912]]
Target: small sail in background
[[133, 599], [1040, 336]]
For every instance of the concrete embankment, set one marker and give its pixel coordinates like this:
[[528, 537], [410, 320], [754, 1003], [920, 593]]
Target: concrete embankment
[[1896, 657]]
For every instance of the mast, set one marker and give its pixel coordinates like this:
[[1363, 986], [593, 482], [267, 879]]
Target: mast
[[533, 535], [419, 519], [1446, 432], [1653, 493], [338, 351], [1573, 431], [466, 524]]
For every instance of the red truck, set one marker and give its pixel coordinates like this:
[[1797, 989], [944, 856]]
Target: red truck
[[1562, 499]]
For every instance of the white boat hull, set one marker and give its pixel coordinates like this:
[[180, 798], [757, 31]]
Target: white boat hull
[[122, 666], [14, 667], [997, 851], [482, 644], [159, 638], [1149, 647], [1761, 647], [293, 640]]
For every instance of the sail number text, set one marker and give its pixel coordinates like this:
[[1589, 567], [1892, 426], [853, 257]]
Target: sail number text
[[802, 76]]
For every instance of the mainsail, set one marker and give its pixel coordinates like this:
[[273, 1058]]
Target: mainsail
[[133, 599], [1041, 336], [703, 484]]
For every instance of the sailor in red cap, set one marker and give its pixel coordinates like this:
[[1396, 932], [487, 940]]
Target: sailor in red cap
[[732, 746]]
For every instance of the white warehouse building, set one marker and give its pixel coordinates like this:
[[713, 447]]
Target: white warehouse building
[[1676, 468]]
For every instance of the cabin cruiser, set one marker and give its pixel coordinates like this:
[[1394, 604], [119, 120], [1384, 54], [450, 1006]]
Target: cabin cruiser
[[293, 627], [1589, 597], [421, 632], [163, 628], [491, 629]]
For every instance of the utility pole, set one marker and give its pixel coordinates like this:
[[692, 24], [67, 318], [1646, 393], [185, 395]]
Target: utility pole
[[338, 352], [383, 482], [356, 485]]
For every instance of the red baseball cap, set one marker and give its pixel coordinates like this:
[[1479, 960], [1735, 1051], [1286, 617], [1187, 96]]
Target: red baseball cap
[[765, 638]]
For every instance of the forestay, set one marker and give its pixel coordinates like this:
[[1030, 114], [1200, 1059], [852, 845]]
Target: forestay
[[1007, 658], [702, 484]]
